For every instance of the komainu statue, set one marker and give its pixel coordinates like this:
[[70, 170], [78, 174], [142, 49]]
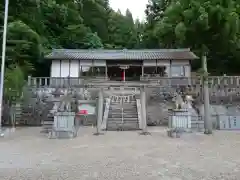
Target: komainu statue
[[65, 103], [178, 101]]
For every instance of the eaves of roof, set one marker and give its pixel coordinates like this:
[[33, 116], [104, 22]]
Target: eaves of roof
[[102, 54]]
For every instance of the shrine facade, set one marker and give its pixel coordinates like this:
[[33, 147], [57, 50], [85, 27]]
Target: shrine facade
[[121, 65]]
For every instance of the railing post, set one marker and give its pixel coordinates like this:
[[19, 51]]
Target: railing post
[[237, 81], [29, 80], [40, 82], [46, 82], [218, 81], [231, 80], [34, 82], [51, 82]]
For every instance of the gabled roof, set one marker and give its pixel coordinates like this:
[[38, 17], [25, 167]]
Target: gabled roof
[[102, 54]]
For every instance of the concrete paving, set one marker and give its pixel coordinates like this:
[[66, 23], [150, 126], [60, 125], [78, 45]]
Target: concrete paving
[[28, 155]]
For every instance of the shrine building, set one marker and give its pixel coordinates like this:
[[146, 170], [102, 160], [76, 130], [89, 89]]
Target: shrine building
[[121, 65]]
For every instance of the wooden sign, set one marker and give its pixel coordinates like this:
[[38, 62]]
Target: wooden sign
[[83, 112], [86, 109]]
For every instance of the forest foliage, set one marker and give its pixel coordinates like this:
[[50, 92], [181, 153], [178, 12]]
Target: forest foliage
[[205, 26], [37, 26]]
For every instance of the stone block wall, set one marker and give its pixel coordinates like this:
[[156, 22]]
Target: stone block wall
[[157, 113]]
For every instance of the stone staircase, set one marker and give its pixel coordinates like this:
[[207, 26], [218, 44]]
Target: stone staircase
[[123, 113], [47, 124], [19, 113]]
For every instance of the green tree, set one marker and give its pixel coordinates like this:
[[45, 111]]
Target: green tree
[[37, 27], [95, 15], [154, 11], [92, 41], [205, 26], [13, 83], [122, 31], [23, 46]]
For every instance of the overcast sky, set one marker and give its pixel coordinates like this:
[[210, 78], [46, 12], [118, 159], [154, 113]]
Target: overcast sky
[[137, 7]]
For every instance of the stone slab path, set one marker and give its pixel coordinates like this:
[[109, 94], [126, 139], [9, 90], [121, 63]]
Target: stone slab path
[[28, 155]]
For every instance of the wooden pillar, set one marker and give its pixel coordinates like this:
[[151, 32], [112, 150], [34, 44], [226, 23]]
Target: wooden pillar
[[106, 72], [123, 75], [156, 68], [142, 70], [92, 70], [190, 74], [170, 74], [170, 69]]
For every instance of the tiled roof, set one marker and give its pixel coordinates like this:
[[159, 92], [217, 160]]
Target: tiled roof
[[102, 54]]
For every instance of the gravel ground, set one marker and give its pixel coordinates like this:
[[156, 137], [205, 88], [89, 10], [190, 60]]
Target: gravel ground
[[28, 155]]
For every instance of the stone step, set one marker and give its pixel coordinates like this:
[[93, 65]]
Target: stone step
[[120, 102], [122, 127], [47, 126], [123, 110], [123, 105], [124, 117], [128, 119], [47, 122], [123, 102], [122, 113], [127, 124], [119, 121], [197, 124]]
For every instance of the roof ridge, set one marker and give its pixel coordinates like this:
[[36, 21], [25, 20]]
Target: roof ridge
[[122, 50]]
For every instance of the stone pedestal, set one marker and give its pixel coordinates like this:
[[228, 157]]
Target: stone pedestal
[[64, 125], [179, 118]]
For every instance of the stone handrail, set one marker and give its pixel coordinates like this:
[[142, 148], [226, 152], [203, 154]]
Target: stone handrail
[[63, 81]]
